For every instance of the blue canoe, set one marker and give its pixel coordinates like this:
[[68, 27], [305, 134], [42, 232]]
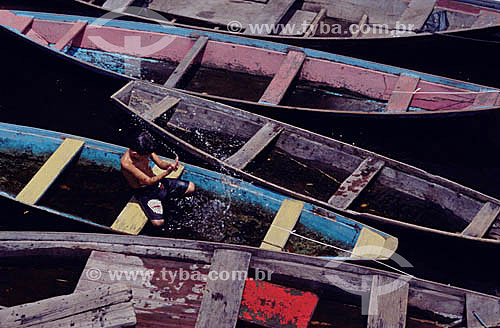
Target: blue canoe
[[86, 175], [263, 76]]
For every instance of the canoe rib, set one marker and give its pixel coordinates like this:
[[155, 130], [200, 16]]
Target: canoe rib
[[286, 219], [49, 172], [254, 146], [483, 220], [388, 303], [190, 58], [220, 305], [350, 189], [111, 306], [402, 95], [287, 72]]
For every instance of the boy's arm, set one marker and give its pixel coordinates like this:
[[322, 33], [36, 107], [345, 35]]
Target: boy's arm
[[164, 165], [142, 178]]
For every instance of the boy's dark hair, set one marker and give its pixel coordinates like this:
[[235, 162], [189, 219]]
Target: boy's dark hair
[[144, 144]]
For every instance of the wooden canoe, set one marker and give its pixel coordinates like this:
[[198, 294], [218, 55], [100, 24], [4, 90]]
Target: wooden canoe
[[316, 23], [311, 167], [291, 286], [276, 79], [87, 187]]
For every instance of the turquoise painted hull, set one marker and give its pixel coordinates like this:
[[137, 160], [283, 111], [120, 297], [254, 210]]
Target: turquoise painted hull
[[19, 140]]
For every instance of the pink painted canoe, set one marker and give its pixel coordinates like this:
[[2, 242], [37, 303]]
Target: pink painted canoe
[[273, 78]]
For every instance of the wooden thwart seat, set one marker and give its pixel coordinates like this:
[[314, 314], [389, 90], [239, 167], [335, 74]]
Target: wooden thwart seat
[[481, 311], [159, 108], [132, 218], [402, 95], [287, 72], [483, 220], [350, 189], [49, 172], [110, 306], [311, 31], [23, 23], [188, 60], [388, 303], [73, 32], [286, 219], [220, 305], [486, 100], [254, 146], [362, 22], [416, 14], [117, 4]]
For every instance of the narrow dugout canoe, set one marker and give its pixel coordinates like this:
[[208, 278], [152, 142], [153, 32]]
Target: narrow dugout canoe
[[289, 289], [78, 179], [311, 167], [320, 24], [274, 78]]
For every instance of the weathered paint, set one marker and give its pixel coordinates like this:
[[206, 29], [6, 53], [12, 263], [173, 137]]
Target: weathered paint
[[39, 142], [271, 46], [276, 306]]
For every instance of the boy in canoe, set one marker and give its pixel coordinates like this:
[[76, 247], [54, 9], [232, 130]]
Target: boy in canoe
[[152, 191]]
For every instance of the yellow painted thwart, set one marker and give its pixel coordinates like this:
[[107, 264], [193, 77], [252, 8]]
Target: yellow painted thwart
[[49, 172], [132, 218], [371, 244], [287, 217]]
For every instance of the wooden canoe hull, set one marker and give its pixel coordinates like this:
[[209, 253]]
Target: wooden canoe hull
[[436, 96], [24, 141], [344, 281], [313, 151]]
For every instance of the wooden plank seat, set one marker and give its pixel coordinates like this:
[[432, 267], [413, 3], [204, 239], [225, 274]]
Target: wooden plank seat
[[287, 72], [481, 311], [486, 99], [50, 170], [402, 95], [315, 23], [483, 220], [106, 306], [188, 60], [132, 218], [417, 13], [299, 23], [388, 303], [254, 146], [68, 38], [350, 189], [220, 305], [117, 4], [161, 107], [284, 221]]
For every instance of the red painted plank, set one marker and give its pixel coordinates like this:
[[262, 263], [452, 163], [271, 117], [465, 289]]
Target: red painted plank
[[402, 95], [272, 305], [485, 99], [457, 6], [23, 23], [285, 76], [36, 37], [73, 32]]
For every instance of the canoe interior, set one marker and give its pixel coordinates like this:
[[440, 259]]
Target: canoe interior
[[301, 161], [233, 70], [336, 16], [223, 209], [159, 299]]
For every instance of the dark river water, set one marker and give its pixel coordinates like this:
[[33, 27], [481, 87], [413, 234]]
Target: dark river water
[[42, 91]]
